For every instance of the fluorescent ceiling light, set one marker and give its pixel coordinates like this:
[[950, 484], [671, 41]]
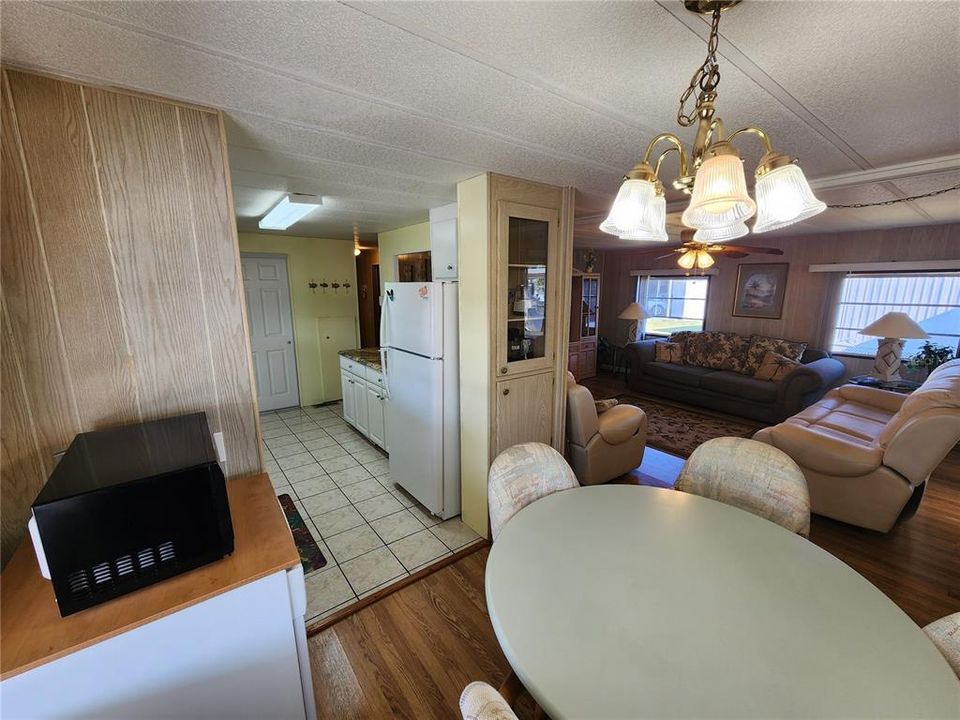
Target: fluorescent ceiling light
[[288, 211]]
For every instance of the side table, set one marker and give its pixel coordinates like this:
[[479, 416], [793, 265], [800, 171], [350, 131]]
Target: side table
[[904, 387]]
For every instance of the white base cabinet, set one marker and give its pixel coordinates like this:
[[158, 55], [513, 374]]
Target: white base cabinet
[[363, 400]]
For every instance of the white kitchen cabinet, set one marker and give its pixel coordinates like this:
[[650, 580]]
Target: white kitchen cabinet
[[349, 403], [375, 420], [360, 410], [443, 242]]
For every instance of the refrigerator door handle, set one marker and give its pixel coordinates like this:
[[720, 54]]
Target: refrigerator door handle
[[384, 326]]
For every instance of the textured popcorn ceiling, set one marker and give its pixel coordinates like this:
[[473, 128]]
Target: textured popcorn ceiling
[[383, 107]]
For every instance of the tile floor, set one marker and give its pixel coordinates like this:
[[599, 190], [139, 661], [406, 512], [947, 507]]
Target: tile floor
[[371, 531]]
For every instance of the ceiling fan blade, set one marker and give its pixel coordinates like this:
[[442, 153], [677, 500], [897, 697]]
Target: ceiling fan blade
[[670, 254], [735, 254], [749, 249]]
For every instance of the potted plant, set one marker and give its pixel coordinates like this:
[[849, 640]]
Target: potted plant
[[929, 357]]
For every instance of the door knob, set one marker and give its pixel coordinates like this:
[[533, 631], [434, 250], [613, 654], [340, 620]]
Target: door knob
[[290, 342], [503, 370], [506, 391]]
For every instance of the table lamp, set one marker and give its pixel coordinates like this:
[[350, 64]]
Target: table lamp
[[891, 329], [635, 313]]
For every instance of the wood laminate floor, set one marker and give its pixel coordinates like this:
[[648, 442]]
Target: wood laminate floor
[[410, 654]]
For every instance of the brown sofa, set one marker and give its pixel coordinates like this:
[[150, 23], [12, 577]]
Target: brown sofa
[[867, 453], [726, 383]]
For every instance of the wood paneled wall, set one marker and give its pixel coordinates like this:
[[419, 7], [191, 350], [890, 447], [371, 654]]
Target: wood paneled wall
[[122, 298], [807, 304]]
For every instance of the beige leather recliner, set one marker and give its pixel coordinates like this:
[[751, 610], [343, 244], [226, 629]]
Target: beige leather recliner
[[602, 447], [866, 452]]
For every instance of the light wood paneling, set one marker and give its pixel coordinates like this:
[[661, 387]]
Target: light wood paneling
[[807, 305], [524, 410], [121, 286]]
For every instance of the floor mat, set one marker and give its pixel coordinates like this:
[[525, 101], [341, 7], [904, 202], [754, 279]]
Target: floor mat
[[311, 556]]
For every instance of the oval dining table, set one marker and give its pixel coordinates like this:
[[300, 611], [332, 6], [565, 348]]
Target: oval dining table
[[637, 602]]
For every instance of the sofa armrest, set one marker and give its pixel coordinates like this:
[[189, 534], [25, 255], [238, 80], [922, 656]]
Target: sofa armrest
[[875, 397], [808, 383], [822, 452], [639, 354]]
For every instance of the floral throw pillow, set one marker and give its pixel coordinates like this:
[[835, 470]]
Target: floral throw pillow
[[716, 350], [681, 339], [761, 345], [669, 352], [775, 367]]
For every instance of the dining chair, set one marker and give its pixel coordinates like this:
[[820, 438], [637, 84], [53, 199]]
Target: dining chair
[[521, 474], [752, 476], [945, 634], [480, 701]]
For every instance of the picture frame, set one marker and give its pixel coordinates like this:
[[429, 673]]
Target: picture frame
[[761, 288]]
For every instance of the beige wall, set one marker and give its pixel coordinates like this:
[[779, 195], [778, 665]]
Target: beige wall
[[808, 302], [121, 295], [314, 260], [473, 257], [409, 239]]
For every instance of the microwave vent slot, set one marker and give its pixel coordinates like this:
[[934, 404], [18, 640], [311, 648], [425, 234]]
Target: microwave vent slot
[[145, 558], [101, 573], [124, 565], [79, 584], [166, 551]]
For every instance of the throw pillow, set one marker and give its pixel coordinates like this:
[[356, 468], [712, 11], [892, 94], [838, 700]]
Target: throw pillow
[[603, 405], [681, 339], [761, 345], [669, 352], [776, 367], [716, 350]]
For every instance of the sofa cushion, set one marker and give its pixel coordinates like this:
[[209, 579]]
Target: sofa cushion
[[737, 385], [716, 350], [682, 374], [775, 367], [760, 345]]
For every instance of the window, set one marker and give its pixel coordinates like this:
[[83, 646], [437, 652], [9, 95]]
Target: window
[[932, 300], [674, 303]]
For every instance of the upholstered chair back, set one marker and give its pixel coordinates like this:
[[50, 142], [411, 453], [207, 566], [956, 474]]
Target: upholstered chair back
[[582, 419], [926, 427], [521, 474], [752, 476], [480, 701]]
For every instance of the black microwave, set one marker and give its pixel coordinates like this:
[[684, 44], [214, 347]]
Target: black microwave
[[128, 507]]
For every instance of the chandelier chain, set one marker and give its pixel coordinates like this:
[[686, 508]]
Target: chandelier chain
[[707, 76], [933, 193]]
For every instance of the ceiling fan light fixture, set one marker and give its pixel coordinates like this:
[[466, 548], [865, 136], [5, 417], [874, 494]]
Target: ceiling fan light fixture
[[720, 197], [638, 213], [688, 259], [719, 235], [784, 197], [704, 259]]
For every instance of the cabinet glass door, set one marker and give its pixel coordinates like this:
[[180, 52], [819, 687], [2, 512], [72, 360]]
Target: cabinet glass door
[[528, 236], [590, 301]]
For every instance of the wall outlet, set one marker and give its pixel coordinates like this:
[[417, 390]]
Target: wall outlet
[[221, 448]]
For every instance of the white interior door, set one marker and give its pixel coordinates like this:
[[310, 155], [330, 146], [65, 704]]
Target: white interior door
[[267, 290]]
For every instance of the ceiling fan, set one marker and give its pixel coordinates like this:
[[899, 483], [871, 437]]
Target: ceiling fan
[[700, 254]]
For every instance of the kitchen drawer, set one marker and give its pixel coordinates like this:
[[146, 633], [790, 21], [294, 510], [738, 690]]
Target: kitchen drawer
[[352, 366], [374, 376]]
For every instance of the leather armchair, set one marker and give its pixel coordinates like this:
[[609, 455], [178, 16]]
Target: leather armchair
[[866, 452], [602, 447]]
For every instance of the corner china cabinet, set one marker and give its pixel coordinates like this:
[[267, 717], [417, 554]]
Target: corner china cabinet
[[584, 321]]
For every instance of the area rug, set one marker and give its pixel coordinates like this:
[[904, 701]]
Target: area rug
[[679, 430], [310, 555]]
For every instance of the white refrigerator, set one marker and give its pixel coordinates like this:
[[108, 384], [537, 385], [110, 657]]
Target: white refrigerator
[[420, 357]]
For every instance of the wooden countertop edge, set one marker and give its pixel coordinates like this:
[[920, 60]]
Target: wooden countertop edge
[[246, 541]]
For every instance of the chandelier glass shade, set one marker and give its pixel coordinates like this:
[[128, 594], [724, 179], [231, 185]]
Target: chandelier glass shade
[[638, 213], [730, 232], [711, 172], [783, 198], [699, 258]]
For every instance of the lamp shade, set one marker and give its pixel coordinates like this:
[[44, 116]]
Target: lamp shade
[[638, 213], [784, 197], [633, 311], [720, 196], [894, 325], [717, 235]]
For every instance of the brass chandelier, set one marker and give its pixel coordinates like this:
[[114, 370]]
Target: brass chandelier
[[712, 172]]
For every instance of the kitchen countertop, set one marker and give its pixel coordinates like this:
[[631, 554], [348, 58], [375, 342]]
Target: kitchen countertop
[[365, 356], [33, 633]]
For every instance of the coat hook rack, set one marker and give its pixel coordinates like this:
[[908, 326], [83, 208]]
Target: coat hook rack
[[313, 286], [324, 285]]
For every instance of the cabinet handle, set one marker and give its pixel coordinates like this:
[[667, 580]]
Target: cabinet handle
[[503, 370], [449, 267], [506, 391]]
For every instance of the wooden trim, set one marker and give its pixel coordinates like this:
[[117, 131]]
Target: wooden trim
[[322, 625], [670, 272], [893, 266]]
